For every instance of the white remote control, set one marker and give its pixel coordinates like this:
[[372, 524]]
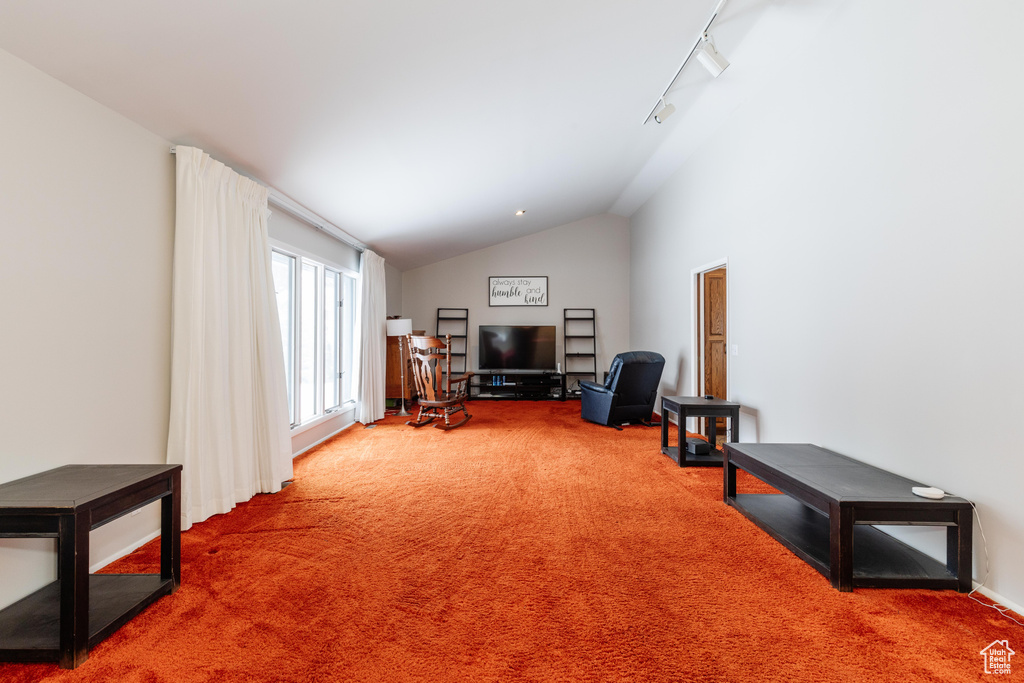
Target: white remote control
[[928, 492]]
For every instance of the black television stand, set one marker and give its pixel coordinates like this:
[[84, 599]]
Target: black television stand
[[520, 385]]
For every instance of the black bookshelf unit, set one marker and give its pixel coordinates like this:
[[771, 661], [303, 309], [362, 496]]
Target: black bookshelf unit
[[455, 321], [517, 386], [579, 330]]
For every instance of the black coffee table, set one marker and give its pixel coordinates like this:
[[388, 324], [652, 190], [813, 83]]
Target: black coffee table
[[826, 514], [696, 406]]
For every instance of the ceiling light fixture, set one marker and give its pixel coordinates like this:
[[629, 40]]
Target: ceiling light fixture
[[711, 58], [703, 42], [520, 212], [665, 111]]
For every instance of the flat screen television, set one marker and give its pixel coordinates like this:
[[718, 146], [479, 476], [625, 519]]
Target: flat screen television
[[517, 347]]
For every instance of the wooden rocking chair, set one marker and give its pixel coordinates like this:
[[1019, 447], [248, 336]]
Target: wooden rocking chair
[[440, 394]]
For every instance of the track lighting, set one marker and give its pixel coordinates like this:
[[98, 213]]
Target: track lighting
[[664, 112], [711, 58]]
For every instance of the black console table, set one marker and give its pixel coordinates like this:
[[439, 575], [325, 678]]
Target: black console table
[[696, 406], [63, 620], [826, 514], [499, 384]]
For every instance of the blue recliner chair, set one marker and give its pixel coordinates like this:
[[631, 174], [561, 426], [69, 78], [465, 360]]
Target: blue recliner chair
[[629, 392]]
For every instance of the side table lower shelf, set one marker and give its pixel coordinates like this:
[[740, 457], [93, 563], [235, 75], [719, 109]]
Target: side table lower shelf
[[881, 561], [30, 628]]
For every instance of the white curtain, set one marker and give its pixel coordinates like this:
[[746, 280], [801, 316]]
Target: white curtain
[[229, 425], [373, 333]]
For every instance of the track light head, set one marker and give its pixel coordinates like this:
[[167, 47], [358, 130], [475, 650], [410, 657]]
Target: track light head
[[664, 112], [711, 58]]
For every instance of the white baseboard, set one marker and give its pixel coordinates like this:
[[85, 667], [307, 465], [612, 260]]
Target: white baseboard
[[999, 599], [326, 438], [987, 592], [125, 551], [135, 545]]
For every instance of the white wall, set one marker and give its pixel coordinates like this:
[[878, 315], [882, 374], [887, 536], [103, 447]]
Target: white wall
[[393, 284], [869, 202], [587, 264], [87, 219]]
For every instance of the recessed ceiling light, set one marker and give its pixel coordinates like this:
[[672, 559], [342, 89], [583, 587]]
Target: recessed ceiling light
[[520, 212]]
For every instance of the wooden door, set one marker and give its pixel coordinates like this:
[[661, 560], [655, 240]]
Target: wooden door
[[715, 347]]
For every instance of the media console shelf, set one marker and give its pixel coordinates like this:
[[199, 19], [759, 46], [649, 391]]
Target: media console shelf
[[63, 620], [826, 514], [501, 384]]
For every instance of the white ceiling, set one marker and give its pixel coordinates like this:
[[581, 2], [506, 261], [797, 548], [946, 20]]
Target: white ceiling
[[418, 127]]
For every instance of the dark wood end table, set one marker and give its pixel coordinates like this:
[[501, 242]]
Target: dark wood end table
[[63, 620], [697, 406]]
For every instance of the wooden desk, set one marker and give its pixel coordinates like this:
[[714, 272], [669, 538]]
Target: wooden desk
[[696, 406], [63, 620], [826, 514]]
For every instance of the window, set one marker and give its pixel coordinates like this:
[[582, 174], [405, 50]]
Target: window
[[316, 306], [348, 324], [332, 337], [309, 342]]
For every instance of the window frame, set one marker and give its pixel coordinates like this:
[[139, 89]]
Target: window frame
[[346, 338], [337, 306]]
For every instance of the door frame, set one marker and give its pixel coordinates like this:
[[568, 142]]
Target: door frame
[[697, 325]]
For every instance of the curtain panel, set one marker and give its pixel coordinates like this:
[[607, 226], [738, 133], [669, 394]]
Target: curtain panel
[[372, 336], [229, 425]]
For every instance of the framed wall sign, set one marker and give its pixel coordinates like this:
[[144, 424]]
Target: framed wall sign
[[517, 291]]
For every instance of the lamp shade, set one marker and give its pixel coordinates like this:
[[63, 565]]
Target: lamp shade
[[399, 326]]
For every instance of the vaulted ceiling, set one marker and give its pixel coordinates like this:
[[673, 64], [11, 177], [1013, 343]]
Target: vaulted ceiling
[[418, 127]]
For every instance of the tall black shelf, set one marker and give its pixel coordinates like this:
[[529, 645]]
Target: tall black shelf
[[455, 321], [579, 330]]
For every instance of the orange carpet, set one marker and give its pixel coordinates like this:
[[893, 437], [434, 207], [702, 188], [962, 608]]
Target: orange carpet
[[527, 545]]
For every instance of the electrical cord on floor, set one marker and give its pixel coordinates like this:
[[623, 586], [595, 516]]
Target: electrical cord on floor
[[1005, 611]]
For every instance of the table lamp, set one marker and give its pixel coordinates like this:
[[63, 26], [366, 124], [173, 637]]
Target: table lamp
[[399, 327]]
